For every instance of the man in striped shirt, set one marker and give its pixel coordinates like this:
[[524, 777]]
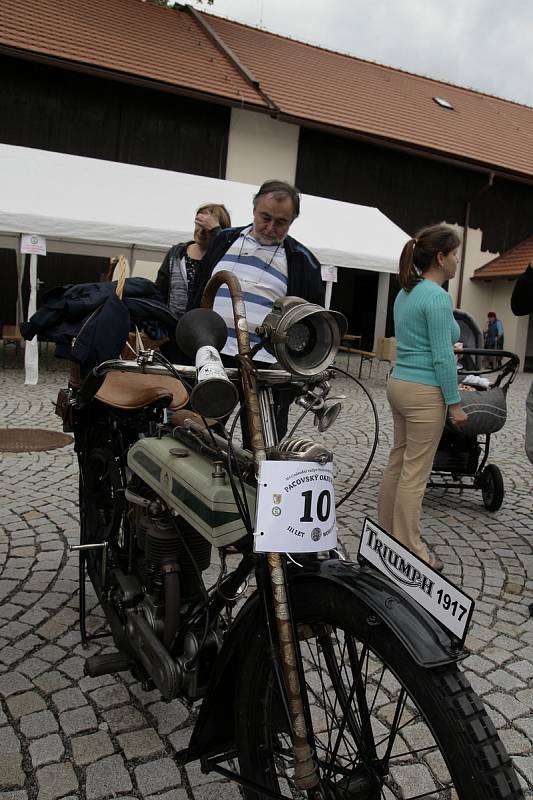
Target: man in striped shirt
[[269, 264]]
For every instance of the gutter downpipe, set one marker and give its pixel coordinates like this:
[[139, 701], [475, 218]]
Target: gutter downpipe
[[466, 225], [246, 73]]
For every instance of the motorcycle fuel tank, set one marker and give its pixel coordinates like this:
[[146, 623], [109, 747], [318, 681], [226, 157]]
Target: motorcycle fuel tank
[[193, 485]]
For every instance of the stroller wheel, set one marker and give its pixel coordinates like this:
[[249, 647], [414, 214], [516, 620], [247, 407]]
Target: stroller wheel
[[492, 488]]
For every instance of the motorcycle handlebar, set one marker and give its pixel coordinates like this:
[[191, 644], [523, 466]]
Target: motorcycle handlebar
[[96, 376], [188, 372]]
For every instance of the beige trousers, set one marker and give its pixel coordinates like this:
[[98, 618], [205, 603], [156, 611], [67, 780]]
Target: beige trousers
[[418, 413]]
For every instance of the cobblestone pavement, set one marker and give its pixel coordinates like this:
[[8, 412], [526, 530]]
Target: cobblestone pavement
[[66, 735]]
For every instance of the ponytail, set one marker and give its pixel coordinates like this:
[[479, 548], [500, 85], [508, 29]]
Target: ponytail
[[409, 274]]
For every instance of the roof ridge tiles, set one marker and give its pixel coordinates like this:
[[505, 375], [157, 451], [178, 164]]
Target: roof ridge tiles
[[368, 61]]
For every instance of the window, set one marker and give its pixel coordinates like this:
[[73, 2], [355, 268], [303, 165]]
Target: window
[[440, 101]]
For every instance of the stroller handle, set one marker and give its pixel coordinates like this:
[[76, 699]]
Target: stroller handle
[[507, 370], [483, 351]]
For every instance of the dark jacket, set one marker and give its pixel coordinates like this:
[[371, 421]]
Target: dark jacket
[[90, 324], [173, 256], [521, 304], [522, 296], [304, 275]]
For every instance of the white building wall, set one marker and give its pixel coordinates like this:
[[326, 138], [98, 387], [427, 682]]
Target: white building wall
[[522, 345], [480, 297], [477, 296], [259, 148]]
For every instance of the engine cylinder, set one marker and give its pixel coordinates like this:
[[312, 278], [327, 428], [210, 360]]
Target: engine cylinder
[[161, 540], [168, 540]]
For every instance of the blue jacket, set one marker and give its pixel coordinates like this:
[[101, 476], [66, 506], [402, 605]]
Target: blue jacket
[[494, 333]]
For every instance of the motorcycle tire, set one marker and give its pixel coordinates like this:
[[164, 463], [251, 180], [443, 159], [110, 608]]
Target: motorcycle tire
[[382, 726]]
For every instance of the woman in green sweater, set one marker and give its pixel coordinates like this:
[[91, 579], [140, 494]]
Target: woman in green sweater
[[423, 383]]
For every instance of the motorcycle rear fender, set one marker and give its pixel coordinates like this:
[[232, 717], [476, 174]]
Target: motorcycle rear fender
[[428, 644]]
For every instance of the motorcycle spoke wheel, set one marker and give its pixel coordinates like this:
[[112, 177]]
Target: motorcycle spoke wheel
[[382, 727]]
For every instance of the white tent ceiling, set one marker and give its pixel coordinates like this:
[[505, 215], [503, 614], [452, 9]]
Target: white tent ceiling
[[110, 208]]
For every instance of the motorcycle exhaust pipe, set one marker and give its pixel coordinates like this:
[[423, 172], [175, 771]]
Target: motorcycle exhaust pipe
[[172, 589]]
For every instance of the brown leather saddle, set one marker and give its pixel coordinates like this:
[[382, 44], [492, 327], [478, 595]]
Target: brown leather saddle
[[132, 391]]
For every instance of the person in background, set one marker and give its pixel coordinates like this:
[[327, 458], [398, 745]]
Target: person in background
[[423, 383], [269, 264], [522, 304], [493, 335], [176, 274]]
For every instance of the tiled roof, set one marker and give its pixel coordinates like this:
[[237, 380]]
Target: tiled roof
[[509, 265], [308, 84], [125, 36], [332, 89]]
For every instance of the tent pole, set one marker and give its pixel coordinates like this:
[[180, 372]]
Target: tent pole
[[329, 288], [21, 262], [381, 307], [31, 349]]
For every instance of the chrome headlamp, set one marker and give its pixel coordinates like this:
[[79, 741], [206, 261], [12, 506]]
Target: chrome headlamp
[[303, 337]]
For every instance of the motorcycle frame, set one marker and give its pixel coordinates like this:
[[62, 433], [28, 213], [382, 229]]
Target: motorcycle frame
[[429, 645], [276, 607]]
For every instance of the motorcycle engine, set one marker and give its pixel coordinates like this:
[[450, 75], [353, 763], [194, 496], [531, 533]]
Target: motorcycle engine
[[163, 580], [166, 541]]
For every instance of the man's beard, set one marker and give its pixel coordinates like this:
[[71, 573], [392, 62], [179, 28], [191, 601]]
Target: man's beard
[[266, 240]]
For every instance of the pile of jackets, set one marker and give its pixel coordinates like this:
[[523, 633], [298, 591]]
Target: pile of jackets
[[89, 323]]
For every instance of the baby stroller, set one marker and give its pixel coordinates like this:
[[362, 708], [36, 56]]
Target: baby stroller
[[461, 458]]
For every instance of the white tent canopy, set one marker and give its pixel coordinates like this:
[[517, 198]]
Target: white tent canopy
[[102, 208], [142, 211]]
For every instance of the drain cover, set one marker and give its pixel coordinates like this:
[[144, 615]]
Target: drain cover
[[27, 440]]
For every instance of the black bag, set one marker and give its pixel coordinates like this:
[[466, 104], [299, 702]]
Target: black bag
[[486, 410]]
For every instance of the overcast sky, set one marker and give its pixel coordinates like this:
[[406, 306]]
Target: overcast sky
[[482, 44]]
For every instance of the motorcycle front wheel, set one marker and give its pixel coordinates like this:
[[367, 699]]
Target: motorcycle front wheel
[[382, 726]]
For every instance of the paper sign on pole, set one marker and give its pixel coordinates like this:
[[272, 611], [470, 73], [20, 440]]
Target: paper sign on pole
[[31, 349], [295, 508], [33, 244], [329, 273]]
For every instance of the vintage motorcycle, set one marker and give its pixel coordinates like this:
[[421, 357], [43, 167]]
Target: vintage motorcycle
[[330, 680]]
